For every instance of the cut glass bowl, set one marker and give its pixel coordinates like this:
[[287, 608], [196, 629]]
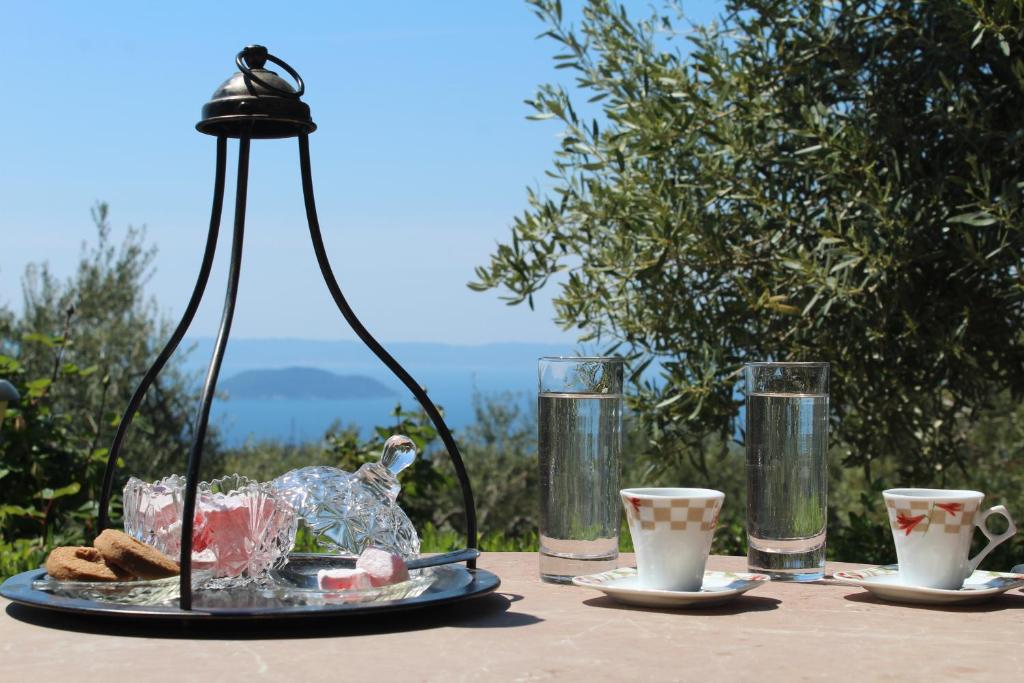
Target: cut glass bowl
[[241, 528]]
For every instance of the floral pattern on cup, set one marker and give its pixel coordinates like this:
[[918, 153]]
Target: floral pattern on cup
[[918, 516], [932, 530]]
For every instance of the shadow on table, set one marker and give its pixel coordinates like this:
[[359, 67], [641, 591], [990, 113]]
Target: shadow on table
[[489, 611], [744, 603], [996, 604]]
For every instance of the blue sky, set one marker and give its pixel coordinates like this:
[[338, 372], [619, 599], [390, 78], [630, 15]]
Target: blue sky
[[420, 161]]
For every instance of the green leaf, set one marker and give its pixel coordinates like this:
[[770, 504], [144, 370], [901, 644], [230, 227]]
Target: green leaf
[[782, 308], [668, 401], [37, 387], [39, 338], [19, 511], [976, 218], [843, 265], [808, 150], [52, 494]]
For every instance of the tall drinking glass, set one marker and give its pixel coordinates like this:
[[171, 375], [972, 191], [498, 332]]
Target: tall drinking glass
[[787, 482], [580, 438]]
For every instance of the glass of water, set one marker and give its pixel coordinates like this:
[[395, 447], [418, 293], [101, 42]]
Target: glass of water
[[579, 418], [787, 480]]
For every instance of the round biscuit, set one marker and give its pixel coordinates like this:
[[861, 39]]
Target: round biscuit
[[81, 563], [140, 559]]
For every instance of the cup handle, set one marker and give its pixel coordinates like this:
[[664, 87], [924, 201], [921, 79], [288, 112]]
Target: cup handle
[[993, 540]]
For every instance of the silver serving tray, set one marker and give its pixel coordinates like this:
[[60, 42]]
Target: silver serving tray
[[285, 597]]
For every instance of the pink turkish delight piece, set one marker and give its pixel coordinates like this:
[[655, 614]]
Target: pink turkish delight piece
[[226, 530], [383, 567], [342, 579], [230, 528], [240, 528]]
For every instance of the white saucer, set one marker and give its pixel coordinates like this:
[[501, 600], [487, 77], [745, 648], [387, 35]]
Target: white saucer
[[884, 582], [623, 585]]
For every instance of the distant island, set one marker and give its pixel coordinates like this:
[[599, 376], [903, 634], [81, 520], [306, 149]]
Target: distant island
[[302, 383]]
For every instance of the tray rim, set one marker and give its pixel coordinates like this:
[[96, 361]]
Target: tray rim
[[18, 589]]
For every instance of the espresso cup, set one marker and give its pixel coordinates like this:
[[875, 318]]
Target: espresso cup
[[672, 531], [932, 530]]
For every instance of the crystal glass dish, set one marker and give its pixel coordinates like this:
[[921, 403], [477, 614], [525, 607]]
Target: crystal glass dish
[[140, 592], [294, 593], [351, 511], [241, 528]]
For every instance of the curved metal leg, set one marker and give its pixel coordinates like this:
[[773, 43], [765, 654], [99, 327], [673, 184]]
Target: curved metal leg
[[364, 334], [195, 455], [172, 344]]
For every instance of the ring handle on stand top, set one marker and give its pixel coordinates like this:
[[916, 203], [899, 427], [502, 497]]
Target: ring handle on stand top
[[255, 56]]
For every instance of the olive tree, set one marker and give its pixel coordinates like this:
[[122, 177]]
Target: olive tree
[[801, 180]]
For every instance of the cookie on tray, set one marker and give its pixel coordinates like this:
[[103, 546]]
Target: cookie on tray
[[70, 563], [142, 560]]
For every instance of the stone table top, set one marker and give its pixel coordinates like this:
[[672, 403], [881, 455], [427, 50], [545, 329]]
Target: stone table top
[[533, 631]]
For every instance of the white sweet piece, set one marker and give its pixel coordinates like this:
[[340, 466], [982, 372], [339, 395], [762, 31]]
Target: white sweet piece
[[343, 579], [226, 525], [384, 568]]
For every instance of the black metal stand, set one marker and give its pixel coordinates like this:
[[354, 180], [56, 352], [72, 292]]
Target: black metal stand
[[378, 350], [179, 333], [256, 103]]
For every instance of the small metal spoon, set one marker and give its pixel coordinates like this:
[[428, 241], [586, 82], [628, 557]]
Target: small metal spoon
[[302, 567]]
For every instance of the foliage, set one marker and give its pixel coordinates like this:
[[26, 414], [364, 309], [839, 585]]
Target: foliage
[[51, 467], [806, 180], [434, 540], [995, 448], [500, 451], [75, 353], [101, 321]]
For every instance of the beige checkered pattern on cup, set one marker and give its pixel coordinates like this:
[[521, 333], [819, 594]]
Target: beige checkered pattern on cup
[[945, 517], [678, 515]]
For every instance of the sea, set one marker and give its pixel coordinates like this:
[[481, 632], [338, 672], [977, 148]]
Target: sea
[[455, 378]]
